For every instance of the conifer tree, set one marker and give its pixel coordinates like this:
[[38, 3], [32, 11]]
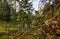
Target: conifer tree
[[4, 11], [25, 10], [25, 6]]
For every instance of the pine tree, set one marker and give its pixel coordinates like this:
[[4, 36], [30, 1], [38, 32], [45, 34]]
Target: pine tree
[[25, 10], [4, 11], [25, 6]]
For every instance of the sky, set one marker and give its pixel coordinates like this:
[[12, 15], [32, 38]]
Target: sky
[[35, 4]]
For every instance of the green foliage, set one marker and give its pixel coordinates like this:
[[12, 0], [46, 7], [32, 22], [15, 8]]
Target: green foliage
[[26, 26], [25, 6], [25, 18], [13, 17], [4, 11]]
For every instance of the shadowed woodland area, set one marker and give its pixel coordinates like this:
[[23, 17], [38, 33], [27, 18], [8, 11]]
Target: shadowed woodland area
[[24, 25]]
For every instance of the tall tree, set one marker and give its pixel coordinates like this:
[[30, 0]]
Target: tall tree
[[4, 11], [25, 6]]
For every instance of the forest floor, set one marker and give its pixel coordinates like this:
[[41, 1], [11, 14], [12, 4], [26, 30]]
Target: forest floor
[[14, 31]]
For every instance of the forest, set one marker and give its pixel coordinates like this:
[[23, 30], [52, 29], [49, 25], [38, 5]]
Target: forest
[[24, 25]]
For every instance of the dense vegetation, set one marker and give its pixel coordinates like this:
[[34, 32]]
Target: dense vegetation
[[27, 26]]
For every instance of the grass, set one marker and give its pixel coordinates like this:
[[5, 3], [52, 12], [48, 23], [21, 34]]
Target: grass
[[6, 28]]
